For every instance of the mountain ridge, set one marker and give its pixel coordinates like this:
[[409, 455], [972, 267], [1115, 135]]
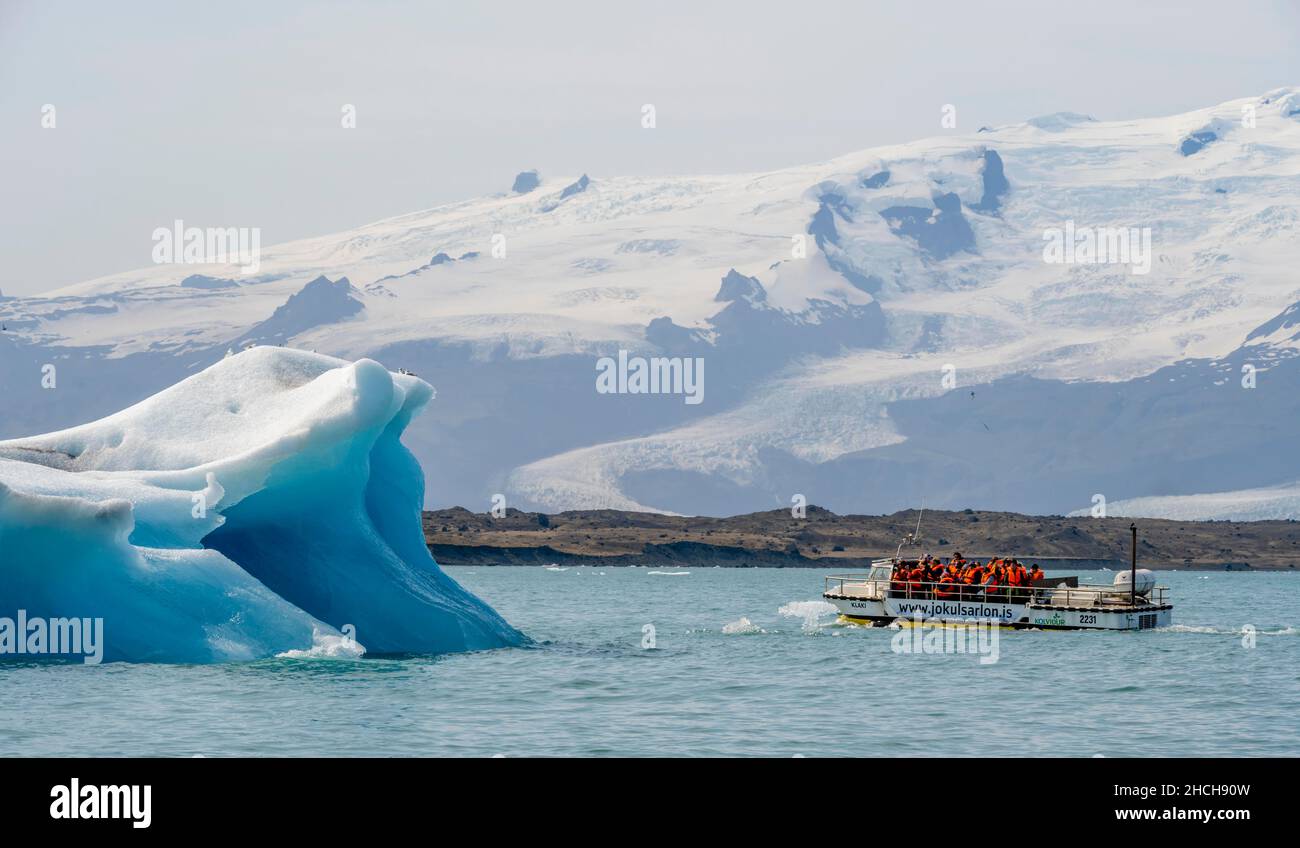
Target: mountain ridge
[[823, 539], [880, 288]]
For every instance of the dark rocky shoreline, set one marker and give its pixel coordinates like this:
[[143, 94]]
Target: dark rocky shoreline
[[825, 540], [693, 554]]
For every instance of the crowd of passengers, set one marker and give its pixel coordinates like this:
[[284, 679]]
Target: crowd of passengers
[[959, 579]]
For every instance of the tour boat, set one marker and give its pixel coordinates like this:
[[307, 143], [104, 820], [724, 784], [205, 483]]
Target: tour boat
[[1132, 601], [1051, 603]]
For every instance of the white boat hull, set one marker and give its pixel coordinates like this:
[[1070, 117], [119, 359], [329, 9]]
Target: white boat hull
[[1017, 615]]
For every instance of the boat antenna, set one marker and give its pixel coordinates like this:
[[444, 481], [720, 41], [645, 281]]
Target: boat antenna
[[914, 537]]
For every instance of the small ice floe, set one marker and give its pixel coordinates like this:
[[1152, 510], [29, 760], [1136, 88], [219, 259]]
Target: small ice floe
[[741, 626], [553, 567], [670, 573], [327, 646]]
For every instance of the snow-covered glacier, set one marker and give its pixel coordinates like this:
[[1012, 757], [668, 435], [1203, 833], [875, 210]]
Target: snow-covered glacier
[[894, 315], [265, 505]]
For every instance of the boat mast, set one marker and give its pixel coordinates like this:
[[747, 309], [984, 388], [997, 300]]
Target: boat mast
[[1133, 567]]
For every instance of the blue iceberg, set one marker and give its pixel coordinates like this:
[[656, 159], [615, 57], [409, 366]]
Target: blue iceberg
[[264, 506]]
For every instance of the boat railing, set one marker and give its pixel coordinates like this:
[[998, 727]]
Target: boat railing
[[856, 585], [872, 587]]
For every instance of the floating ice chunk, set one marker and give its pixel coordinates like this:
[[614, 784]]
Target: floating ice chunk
[[329, 646], [241, 513], [68, 557]]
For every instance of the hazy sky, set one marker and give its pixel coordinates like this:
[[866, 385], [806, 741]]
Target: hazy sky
[[228, 114]]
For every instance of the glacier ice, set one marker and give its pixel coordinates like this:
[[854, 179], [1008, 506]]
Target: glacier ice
[[265, 506]]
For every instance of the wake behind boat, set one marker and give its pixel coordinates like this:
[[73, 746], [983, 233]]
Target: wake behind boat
[[1000, 591]]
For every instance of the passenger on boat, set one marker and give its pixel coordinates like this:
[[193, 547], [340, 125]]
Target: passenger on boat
[[916, 582], [898, 580], [966, 577], [947, 589], [1016, 578], [993, 580]]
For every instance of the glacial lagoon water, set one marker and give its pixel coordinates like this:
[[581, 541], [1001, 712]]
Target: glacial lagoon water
[[707, 662]]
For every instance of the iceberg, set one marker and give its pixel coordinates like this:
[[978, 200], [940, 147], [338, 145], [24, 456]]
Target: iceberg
[[264, 506]]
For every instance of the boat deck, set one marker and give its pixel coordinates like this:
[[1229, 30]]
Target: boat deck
[[1046, 593]]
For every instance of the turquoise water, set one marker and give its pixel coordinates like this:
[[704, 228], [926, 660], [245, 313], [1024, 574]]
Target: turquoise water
[[795, 684]]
